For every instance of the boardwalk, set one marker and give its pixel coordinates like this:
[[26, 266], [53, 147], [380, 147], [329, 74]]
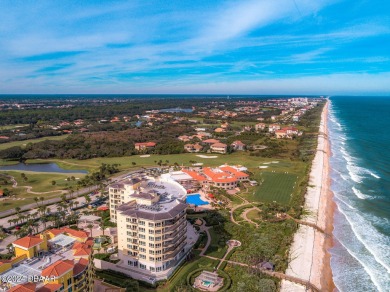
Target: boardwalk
[[309, 286]]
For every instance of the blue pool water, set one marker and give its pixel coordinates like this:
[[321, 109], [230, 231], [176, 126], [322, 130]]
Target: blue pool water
[[196, 200]]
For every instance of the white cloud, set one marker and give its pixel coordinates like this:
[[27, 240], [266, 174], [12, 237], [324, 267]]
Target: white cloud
[[239, 19]]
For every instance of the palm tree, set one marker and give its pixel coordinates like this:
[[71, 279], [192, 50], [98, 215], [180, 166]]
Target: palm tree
[[36, 201], [87, 198], [17, 209], [44, 220], [90, 226], [11, 221], [102, 225]]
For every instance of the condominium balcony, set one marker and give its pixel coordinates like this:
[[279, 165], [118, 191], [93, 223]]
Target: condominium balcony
[[175, 246], [175, 225]]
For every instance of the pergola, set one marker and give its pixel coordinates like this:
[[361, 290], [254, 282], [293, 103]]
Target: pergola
[[90, 218], [62, 240], [207, 276]]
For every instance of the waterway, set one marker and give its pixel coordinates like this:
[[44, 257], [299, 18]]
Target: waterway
[[41, 167]]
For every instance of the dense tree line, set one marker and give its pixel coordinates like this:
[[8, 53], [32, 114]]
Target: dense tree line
[[95, 112], [103, 144]]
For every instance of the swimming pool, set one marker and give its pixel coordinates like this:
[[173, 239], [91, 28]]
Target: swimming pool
[[196, 200]]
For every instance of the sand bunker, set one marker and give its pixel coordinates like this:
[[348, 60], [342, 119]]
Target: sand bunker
[[267, 163], [144, 156], [205, 156], [275, 161], [263, 166]]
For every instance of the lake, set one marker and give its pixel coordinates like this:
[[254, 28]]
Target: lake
[[176, 110], [41, 167]]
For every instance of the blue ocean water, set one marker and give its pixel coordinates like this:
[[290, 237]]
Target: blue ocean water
[[360, 180]]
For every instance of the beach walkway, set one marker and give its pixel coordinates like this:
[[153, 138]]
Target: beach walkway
[[306, 285]]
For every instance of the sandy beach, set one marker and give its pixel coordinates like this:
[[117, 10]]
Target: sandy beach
[[310, 259]]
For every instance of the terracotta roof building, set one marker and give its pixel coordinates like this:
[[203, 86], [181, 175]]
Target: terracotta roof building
[[218, 148], [144, 146]]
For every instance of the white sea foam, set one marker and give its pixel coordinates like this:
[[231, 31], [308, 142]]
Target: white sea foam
[[359, 194], [374, 175], [353, 173], [363, 264], [338, 196], [357, 232], [373, 252]]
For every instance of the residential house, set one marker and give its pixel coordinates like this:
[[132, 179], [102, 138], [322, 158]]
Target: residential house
[[184, 138], [280, 134], [210, 141], [291, 131], [260, 126], [144, 146], [193, 148], [218, 148], [238, 145], [273, 127]]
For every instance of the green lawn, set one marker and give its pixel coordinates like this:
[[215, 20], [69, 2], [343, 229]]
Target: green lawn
[[40, 182], [254, 215], [180, 276], [215, 249], [275, 186], [182, 159], [25, 142], [10, 127]]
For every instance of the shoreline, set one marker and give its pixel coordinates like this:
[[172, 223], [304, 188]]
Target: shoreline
[[309, 252]]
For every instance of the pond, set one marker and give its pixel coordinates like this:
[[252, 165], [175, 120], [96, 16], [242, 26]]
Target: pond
[[41, 167], [176, 110]]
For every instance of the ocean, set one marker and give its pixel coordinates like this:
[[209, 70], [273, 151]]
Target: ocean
[[360, 180]]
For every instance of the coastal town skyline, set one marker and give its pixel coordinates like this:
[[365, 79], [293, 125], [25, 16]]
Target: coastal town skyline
[[222, 47]]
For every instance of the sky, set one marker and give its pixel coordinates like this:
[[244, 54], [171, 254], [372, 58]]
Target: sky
[[325, 47]]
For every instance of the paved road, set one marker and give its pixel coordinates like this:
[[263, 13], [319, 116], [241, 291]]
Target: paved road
[[49, 201], [53, 201]]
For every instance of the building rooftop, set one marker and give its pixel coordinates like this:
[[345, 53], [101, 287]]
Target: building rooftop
[[28, 241], [155, 198]]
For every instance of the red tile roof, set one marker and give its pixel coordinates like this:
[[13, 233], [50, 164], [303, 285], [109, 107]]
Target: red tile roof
[[211, 141], [234, 171], [55, 231], [28, 241], [80, 266], [75, 233], [28, 287], [195, 175], [219, 145], [58, 268], [238, 143], [50, 288], [218, 176], [82, 251], [147, 144]]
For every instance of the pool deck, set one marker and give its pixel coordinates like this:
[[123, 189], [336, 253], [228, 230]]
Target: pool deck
[[203, 197]]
